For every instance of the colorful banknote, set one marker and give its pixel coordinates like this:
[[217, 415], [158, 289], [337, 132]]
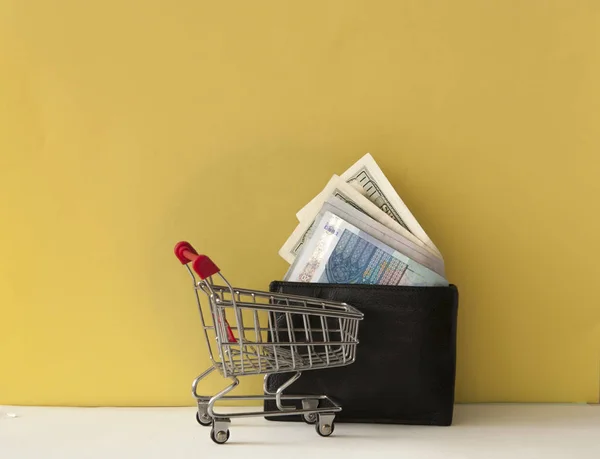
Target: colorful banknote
[[339, 252]]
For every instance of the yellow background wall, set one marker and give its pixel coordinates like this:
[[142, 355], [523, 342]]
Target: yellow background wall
[[126, 126]]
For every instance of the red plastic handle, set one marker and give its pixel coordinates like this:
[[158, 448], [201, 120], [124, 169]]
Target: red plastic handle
[[185, 252], [203, 265]]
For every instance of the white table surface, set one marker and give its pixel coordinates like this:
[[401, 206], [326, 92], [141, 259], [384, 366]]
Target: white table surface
[[480, 431]]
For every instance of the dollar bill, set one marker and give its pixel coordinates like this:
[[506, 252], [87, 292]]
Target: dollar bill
[[367, 177], [346, 202], [339, 252], [339, 188], [294, 243]]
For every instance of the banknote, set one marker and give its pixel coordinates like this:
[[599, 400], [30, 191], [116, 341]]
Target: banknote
[[338, 252], [368, 178], [337, 187], [353, 215], [294, 243], [390, 238], [347, 203]]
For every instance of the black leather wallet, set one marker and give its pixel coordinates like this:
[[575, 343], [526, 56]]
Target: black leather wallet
[[405, 366]]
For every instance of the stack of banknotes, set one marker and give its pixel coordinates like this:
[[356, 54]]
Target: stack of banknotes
[[358, 231]]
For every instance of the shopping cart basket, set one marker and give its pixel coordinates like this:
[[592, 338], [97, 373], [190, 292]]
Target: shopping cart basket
[[251, 332]]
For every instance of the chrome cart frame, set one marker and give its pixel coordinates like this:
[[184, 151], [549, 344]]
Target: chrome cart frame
[[271, 333]]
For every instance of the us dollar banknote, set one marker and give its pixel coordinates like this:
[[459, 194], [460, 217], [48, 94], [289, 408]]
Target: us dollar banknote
[[339, 252], [339, 188], [367, 177], [295, 242], [354, 215]]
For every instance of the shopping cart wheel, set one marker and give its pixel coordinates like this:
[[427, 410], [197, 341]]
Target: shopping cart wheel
[[310, 404], [220, 436], [310, 418], [325, 426], [203, 419]]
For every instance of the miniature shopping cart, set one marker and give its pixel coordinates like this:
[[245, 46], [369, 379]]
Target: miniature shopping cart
[[259, 333]]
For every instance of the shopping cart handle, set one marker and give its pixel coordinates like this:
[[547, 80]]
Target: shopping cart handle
[[203, 265], [185, 252]]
